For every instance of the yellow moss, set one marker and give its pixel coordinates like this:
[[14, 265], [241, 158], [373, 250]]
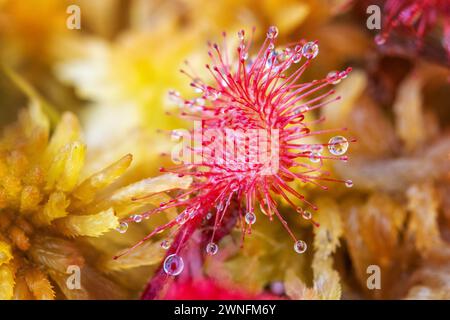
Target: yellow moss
[[288, 16], [327, 236], [54, 208], [12, 187], [152, 185], [410, 123], [145, 255], [373, 233], [21, 290], [19, 238], [72, 167], [423, 227], [34, 177], [326, 280], [88, 225], [85, 192], [60, 278], [140, 195], [17, 162], [40, 195], [30, 199], [55, 253], [350, 90], [3, 169], [3, 198], [6, 282], [56, 168], [67, 131], [39, 285], [5, 252], [296, 289], [35, 121], [252, 266]]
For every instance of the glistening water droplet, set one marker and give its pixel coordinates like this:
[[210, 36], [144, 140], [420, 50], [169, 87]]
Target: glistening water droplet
[[136, 218], [314, 157], [317, 148], [177, 133], [182, 218], [250, 218], [300, 246], [296, 58], [123, 227], [212, 248], [310, 50], [306, 215], [277, 287], [272, 33], [380, 39], [338, 145], [211, 94], [349, 183], [165, 244], [333, 77], [175, 98], [304, 109], [173, 265], [241, 35]]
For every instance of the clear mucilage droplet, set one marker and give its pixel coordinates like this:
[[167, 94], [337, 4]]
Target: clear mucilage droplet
[[338, 145], [304, 109], [175, 97], [306, 215], [300, 246], [317, 148], [272, 33], [182, 218], [314, 157], [310, 50], [297, 54], [333, 77], [343, 74], [349, 183], [296, 57], [136, 218], [212, 248], [200, 102], [380, 39], [284, 55], [211, 94], [176, 133], [123, 227], [250, 218], [272, 58], [173, 265], [241, 35], [244, 55], [165, 244], [277, 287]]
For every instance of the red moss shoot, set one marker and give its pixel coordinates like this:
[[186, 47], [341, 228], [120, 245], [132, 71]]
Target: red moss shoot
[[250, 141], [418, 17]]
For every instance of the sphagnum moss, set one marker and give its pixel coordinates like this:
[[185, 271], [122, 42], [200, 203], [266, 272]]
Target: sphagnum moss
[[45, 210]]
